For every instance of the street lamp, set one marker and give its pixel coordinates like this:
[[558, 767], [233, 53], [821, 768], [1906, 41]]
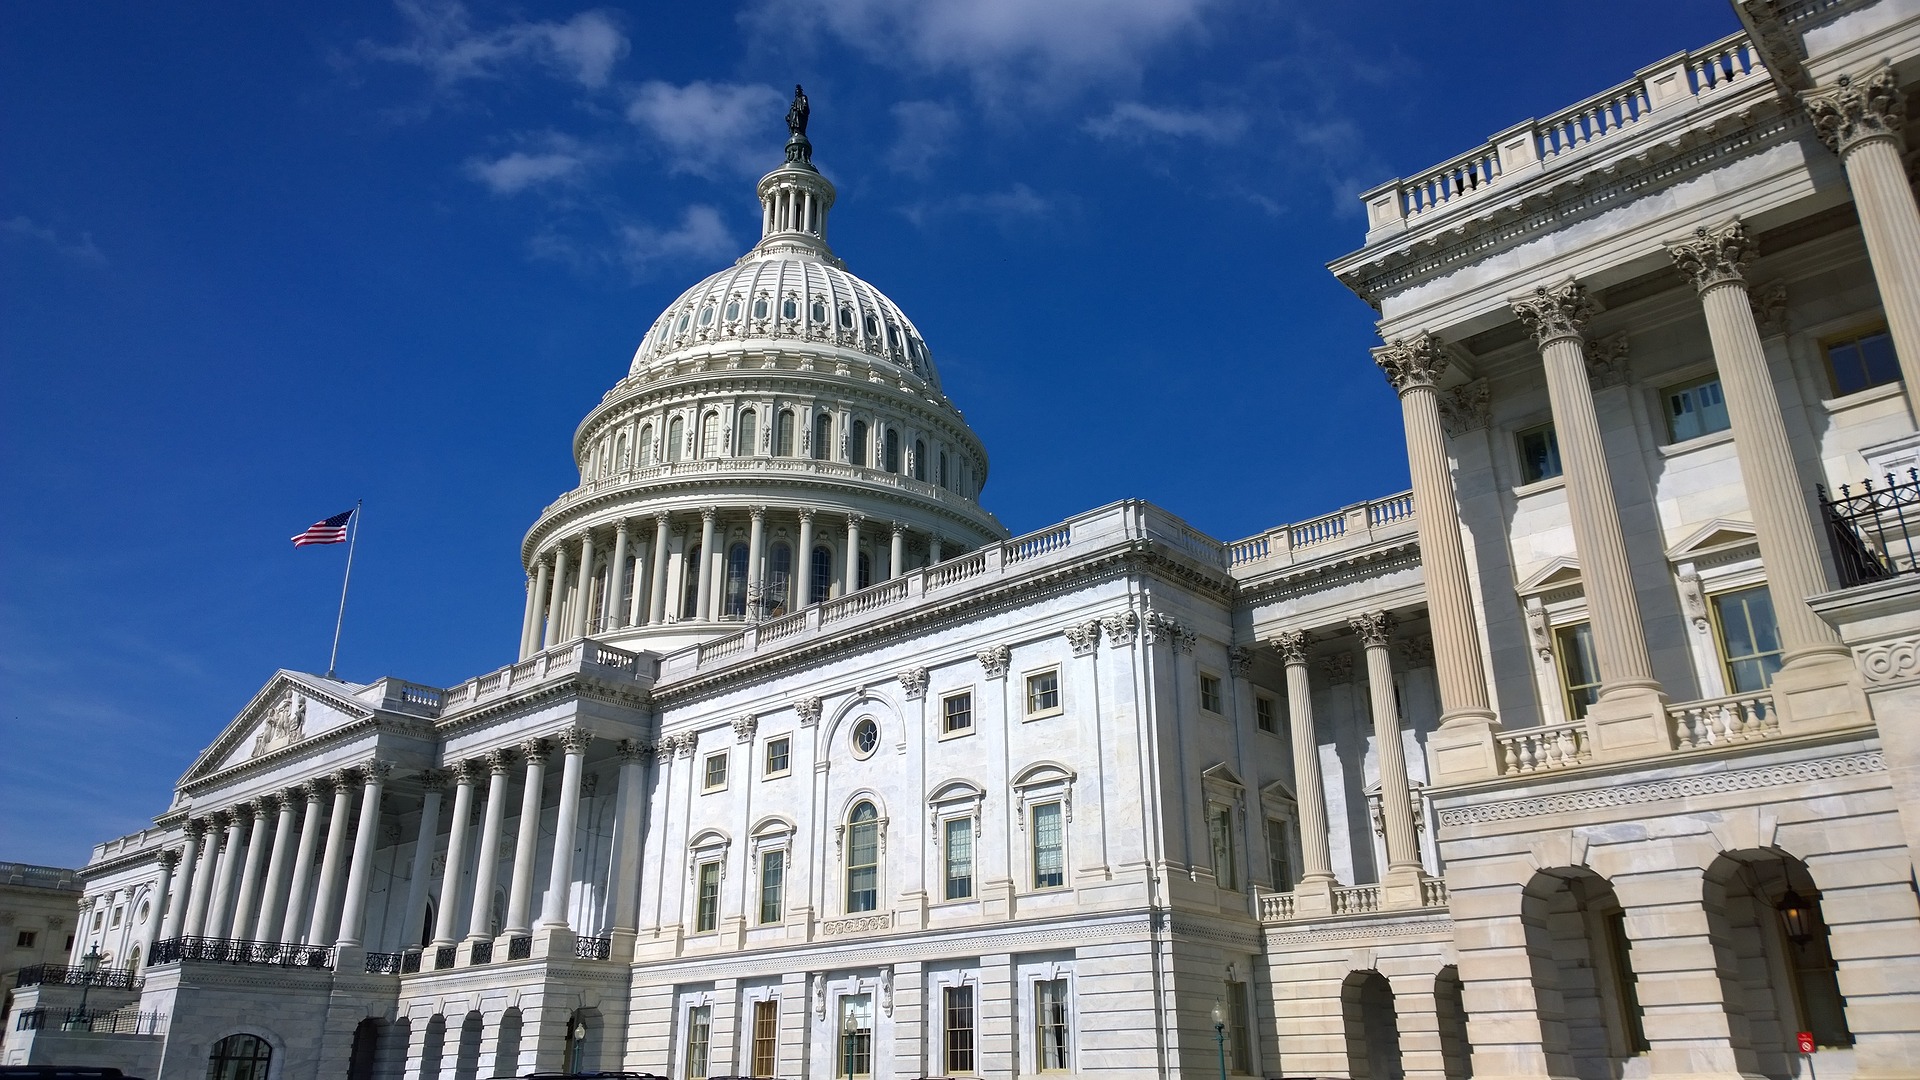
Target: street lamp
[[89, 967], [1798, 917], [1220, 1035]]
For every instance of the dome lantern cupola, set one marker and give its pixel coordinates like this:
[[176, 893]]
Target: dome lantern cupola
[[795, 198]]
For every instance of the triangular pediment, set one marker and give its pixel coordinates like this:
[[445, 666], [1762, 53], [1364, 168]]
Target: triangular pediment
[[1220, 774], [1558, 574], [292, 708], [1718, 535], [1278, 793]]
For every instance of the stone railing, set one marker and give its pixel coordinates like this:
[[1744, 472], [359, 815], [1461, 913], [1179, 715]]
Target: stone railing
[[1536, 749], [1348, 900], [1361, 523], [393, 963], [592, 948], [115, 1022], [56, 975], [1356, 899], [1433, 892], [568, 658], [1724, 720], [53, 877], [1668, 88]]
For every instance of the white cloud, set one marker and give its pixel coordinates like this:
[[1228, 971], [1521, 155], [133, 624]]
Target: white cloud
[[926, 130], [1017, 203], [445, 44], [712, 129], [1135, 121], [548, 159], [640, 248], [81, 250]]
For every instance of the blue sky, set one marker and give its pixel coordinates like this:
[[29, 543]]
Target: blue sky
[[259, 261]]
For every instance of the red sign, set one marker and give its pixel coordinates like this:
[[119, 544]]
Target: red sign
[[1805, 1039]]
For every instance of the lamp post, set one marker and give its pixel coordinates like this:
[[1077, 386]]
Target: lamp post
[[1797, 917], [89, 967], [1220, 1036]]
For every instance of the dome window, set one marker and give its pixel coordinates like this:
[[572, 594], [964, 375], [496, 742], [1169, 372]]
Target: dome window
[[681, 328], [790, 310], [760, 308], [819, 312], [893, 335], [873, 326], [733, 311], [706, 315], [846, 316]]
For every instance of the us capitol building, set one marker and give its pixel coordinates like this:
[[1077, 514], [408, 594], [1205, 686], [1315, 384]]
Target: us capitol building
[[1596, 755]]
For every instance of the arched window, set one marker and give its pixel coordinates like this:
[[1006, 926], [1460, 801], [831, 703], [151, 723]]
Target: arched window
[[863, 859], [783, 434], [646, 445], [779, 580], [893, 451], [857, 445], [746, 439], [823, 437], [690, 591], [621, 457], [920, 459], [736, 596], [820, 585], [943, 469], [239, 1057], [676, 438], [710, 435], [864, 576]]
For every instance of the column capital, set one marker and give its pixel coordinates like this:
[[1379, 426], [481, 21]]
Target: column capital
[[345, 777], [806, 513], [1239, 661], [1554, 313], [662, 519], [434, 779], [757, 513], [1714, 256], [1292, 646], [376, 771], [633, 751], [499, 761], [1769, 308], [623, 527], [535, 751], [1374, 628], [220, 820], [465, 771], [195, 829], [899, 528], [708, 513], [1857, 110], [1607, 361], [319, 787], [1412, 363], [169, 859], [265, 807], [854, 520], [576, 740]]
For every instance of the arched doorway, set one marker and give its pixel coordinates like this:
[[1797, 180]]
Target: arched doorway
[[239, 1057], [1579, 953], [1456, 1053], [365, 1050], [1373, 1029], [1763, 910]]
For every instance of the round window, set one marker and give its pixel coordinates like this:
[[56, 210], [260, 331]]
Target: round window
[[866, 736]]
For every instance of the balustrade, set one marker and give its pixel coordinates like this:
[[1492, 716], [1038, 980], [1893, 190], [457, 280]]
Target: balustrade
[[520, 946], [1539, 748], [482, 952], [445, 956], [1356, 899], [1719, 721], [57, 975], [593, 948]]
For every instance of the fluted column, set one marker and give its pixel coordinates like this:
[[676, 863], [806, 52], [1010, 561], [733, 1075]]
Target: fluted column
[[1414, 366], [1555, 317], [326, 898], [559, 897], [1860, 119], [310, 825], [629, 816], [177, 905], [537, 602], [853, 553], [220, 905], [803, 562], [933, 550], [526, 618], [756, 549], [703, 590], [616, 608], [1316, 857], [487, 858], [433, 783], [445, 928], [360, 873], [657, 602], [897, 551], [527, 845], [195, 924], [163, 903], [583, 586], [273, 895], [264, 811], [1396, 813], [556, 598]]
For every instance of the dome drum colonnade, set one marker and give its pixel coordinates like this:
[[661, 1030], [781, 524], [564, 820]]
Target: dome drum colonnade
[[780, 439]]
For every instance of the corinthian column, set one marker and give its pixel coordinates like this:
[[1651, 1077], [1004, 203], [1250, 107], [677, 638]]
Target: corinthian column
[[273, 893], [1316, 858], [194, 921], [1860, 119], [897, 551], [163, 902], [360, 872], [1556, 317], [220, 905], [583, 586], [853, 553], [553, 912], [657, 581], [616, 608], [803, 563], [527, 844], [444, 926], [703, 583], [1403, 853], [756, 547], [310, 825], [433, 782], [326, 898], [556, 598], [536, 611], [1414, 368], [487, 859], [243, 909]]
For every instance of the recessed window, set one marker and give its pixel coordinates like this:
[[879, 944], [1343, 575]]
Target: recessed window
[[863, 859], [958, 1006], [1539, 454], [760, 308], [681, 326], [1861, 360], [1049, 846], [1239, 1037], [956, 713], [866, 736], [1210, 693], [779, 756], [790, 309], [733, 311], [707, 912], [706, 315], [819, 311], [1050, 1036], [1043, 692], [1579, 668], [1279, 850], [846, 316], [958, 844], [1266, 713], [1749, 638], [856, 1035], [766, 1037], [773, 882], [873, 327], [699, 1040], [716, 772], [1220, 832], [1695, 409], [26, 939]]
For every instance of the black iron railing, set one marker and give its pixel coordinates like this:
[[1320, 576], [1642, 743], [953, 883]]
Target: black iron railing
[[405, 962], [519, 946], [593, 948], [116, 1022], [56, 975], [444, 956], [233, 951], [1874, 532], [482, 952]]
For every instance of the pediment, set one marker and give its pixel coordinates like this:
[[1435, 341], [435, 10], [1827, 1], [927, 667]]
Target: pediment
[[1279, 794], [1715, 536], [1220, 774], [1561, 573], [292, 708], [956, 791]]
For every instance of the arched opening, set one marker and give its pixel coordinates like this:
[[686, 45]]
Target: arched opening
[[823, 437], [426, 925], [863, 858], [1373, 1029], [783, 434], [466, 1056], [779, 594], [620, 453], [710, 436], [863, 577], [943, 470], [1579, 952], [506, 1059], [433, 1047], [736, 595], [239, 1057], [690, 583], [363, 1055], [857, 444], [1456, 1053], [893, 451], [646, 445], [920, 459], [133, 959], [676, 439], [746, 435], [820, 578], [578, 1051], [1777, 972]]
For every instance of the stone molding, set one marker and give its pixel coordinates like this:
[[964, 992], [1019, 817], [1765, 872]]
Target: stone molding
[[1554, 313], [1889, 662], [1855, 110], [1715, 256], [863, 924], [1412, 363], [1366, 929], [1663, 790]]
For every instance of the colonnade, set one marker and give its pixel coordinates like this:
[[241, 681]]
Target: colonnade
[[650, 575]]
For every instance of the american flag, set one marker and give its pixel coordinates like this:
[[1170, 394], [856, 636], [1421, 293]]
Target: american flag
[[331, 531]]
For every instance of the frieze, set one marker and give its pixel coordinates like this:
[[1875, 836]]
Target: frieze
[[864, 924], [1890, 661], [1440, 927]]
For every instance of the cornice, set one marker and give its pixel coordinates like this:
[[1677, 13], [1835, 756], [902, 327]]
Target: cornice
[[1353, 565], [570, 686]]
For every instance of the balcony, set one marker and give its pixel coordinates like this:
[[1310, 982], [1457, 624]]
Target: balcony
[[56, 975], [234, 951], [1874, 533]]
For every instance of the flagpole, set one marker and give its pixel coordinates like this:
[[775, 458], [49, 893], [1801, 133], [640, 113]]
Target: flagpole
[[353, 534]]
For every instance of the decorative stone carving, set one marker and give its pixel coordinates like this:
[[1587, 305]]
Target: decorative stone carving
[[1464, 408], [1084, 637], [1852, 110], [1693, 600], [285, 724], [1769, 308], [914, 682], [589, 784], [499, 761], [1416, 652], [808, 709], [744, 727], [535, 750], [1239, 661], [464, 772], [1292, 645], [686, 744], [376, 769], [434, 779], [169, 859], [1374, 627], [886, 990], [633, 751], [1121, 626], [1552, 314], [576, 740], [390, 833], [1890, 661], [1338, 668], [994, 660], [1539, 635], [1607, 362], [819, 997], [1410, 363], [1169, 629], [1715, 256]]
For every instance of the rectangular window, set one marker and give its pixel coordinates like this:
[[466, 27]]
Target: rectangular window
[[856, 1035], [716, 771], [707, 915], [1539, 454], [699, 1039], [956, 713], [959, 847], [1049, 847], [1695, 409], [117, 913], [1749, 638], [959, 1029], [25, 940], [1239, 1037], [1279, 848], [1579, 668], [1210, 693], [773, 880], [1050, 1021], [1043, 692], [1220, 831], [766, 1037], [1267, 714], [1862, 360], [779, 756]]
